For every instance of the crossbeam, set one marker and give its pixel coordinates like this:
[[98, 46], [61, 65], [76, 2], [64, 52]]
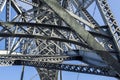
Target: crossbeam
[[42, 58], [104, 71], [43, 37], [49, 26]]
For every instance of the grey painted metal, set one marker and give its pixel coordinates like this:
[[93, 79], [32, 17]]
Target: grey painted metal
[[8, 4], [40, 58], [92, 24], [49, 26], [16, 7], [85, 3], [27, 36], [67, 67], [111, 22], [105, 71], [47, 74], [84, 34], [43, 37], [89, 57], [85, 56]]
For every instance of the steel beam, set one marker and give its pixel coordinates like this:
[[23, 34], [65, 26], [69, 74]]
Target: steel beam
[[67, 67], [16, 7], [82, 20], [47, 74], [85, 3], [84, 34], [98, 34], [40, 58], [109, 19], [44, 38], [104, 71], [86, 56]]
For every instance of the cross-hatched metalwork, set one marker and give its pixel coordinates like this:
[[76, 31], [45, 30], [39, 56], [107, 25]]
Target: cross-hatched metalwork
[[45, 33]]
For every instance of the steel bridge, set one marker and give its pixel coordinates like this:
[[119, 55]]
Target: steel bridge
[[45, 33]]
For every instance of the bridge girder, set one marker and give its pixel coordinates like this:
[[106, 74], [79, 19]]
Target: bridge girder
[[51, 28]]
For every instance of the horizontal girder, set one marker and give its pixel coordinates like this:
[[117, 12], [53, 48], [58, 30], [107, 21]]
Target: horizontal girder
[[49, 26], [67, 67], [43, 37], [85, 56], [48, 58]]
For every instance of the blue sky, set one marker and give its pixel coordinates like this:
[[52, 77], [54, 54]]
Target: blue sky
[[14, 72]]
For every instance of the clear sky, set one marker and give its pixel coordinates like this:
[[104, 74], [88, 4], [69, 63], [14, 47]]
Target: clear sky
[[14, 72]]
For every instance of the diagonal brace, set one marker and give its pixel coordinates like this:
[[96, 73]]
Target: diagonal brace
[[84, 34]]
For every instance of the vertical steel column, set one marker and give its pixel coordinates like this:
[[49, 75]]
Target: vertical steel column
[[7, 43]]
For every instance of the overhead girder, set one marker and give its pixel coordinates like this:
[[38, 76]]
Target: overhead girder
[[54, 59], [84, 34], [11, 24], [105, 71], [86, 4], [82, 15], [43, 37], [39, 31], [86, 56], [18, 9], [111, 22], [98, 35], [53, 38], [79, 55], [40, 36], [83, 3]]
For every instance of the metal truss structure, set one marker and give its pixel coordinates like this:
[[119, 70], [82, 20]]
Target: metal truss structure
[[45, 33]]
